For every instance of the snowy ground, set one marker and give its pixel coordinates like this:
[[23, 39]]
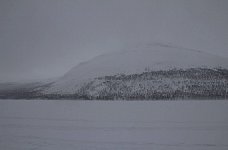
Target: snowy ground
[[113, 125]]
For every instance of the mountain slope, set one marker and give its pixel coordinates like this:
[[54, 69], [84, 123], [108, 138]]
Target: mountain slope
[[153, 57]]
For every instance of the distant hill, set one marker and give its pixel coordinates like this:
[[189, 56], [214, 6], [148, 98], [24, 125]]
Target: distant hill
[[153, 71]]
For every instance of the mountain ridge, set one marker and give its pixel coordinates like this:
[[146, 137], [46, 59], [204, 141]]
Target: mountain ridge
[[153, 71], [152, 56]]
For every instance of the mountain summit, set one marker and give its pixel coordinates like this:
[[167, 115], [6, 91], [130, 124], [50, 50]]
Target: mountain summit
[[150, 57], [153, 71]]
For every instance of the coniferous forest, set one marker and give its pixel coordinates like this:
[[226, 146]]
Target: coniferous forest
[[174, 84]]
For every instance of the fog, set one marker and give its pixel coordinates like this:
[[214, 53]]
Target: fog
[[46, 38]]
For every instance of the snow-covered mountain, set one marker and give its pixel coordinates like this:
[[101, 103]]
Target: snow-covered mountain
[[150, 57]]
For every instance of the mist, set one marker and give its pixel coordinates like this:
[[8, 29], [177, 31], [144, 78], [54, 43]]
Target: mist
[[46, 38]]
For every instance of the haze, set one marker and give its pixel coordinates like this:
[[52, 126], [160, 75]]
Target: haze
[[46, 38]]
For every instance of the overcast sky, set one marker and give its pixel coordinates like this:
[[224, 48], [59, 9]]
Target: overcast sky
[[46, 38]]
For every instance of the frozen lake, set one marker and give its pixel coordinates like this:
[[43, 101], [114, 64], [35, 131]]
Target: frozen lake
[[113, 125]]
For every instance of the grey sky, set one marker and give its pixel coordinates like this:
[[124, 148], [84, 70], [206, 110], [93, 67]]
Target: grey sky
[[45, 38]]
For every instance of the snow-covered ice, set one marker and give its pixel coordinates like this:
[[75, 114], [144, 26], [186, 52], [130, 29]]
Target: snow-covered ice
[[113, 125]]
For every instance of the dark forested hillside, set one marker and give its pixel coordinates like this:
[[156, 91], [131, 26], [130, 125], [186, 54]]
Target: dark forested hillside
[[193, 83]]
